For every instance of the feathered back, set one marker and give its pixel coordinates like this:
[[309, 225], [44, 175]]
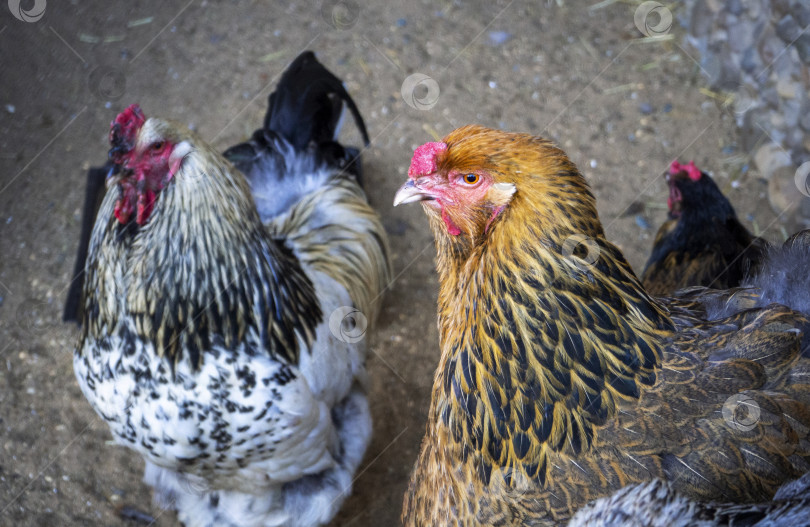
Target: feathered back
[[306, 184]]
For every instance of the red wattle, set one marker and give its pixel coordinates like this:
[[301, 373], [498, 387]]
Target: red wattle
[[146, 202], [122, 211], [451, 227]]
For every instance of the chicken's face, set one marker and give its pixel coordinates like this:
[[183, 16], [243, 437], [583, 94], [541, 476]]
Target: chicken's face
[[693, 192], [148, 157], [468, 199], [679, 178]]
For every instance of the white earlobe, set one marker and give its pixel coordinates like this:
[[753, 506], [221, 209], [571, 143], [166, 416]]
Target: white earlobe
[[506, 188], [176, 158]]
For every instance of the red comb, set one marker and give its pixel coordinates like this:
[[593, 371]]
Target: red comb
[[123, 131], [691, 170], [424, 159]]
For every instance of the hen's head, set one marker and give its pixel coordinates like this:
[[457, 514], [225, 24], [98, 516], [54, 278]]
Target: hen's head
[[149, 153], [692, 191], [476, 176]]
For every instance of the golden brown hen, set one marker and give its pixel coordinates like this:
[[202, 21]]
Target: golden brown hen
[[702, 242], [560, 379]]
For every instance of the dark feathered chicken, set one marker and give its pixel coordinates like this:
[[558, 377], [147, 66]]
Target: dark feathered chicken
[[702, 242], [560, 378], [216, 336], [658, 504]]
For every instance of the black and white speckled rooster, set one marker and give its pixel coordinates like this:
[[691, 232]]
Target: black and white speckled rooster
[[217, 337]]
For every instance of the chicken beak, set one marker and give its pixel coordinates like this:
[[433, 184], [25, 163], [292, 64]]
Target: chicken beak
[[409, 193]]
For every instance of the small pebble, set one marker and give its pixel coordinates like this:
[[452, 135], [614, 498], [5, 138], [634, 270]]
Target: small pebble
[[499, 37], [667, 108], [10, 108], [641, 221], [735, 183], [645, 108], [401, 22], [593, 163], [493, 84]]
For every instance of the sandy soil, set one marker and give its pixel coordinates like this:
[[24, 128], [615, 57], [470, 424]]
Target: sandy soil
[[622, 108]]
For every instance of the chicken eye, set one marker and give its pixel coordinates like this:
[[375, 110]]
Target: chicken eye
[[471, 179], [157, 146]]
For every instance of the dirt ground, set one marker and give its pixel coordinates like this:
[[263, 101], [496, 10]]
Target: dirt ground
[[621, 107]]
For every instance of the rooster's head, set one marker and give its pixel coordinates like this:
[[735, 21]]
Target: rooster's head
[[147, 153]]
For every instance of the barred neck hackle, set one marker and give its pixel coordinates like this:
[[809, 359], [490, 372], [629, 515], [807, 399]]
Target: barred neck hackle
[[202, 271]]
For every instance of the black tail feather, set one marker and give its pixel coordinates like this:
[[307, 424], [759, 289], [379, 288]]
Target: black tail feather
[[304, 110], [93, 193], [307, 104]]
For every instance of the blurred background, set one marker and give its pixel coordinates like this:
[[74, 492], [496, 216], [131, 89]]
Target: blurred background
[[624, 87]]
